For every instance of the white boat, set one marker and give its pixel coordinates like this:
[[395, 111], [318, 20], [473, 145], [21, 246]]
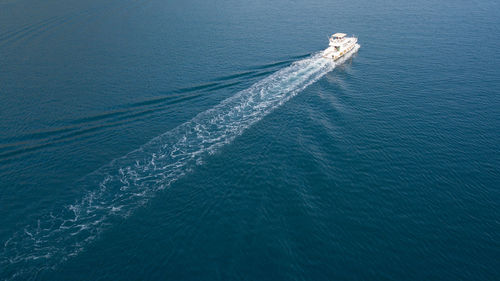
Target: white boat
[[339, 46]]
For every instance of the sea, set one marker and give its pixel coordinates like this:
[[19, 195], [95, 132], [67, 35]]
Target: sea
[[209, 140]]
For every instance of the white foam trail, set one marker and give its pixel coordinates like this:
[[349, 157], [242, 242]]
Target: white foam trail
[[119, 188]]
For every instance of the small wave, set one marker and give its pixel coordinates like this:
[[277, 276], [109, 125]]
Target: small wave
[[237, 75], [274, 64], [28, 27], [35, 29], [300, 56], [19, 145], [116, 190], [40, 140], [30, 142], [264, 73], [31, 30]]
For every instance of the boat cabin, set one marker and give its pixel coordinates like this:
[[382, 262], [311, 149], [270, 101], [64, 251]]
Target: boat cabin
[[338, 36], [336, 39]]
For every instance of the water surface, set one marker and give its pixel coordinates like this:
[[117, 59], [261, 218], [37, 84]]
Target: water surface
[[206, 140]]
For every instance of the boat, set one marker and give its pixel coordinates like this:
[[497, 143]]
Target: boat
[[339, 46]]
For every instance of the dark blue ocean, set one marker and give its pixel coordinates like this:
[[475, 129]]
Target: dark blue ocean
[[208, 140]]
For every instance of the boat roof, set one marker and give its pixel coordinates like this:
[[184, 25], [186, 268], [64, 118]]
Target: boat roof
[[339, 35]]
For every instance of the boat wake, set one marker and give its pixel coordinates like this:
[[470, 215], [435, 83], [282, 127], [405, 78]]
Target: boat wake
[[117, 189]]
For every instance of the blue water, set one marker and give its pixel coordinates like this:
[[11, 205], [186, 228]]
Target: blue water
[[208, 140]]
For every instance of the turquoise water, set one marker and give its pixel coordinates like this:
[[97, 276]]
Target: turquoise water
[[145, 140]]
